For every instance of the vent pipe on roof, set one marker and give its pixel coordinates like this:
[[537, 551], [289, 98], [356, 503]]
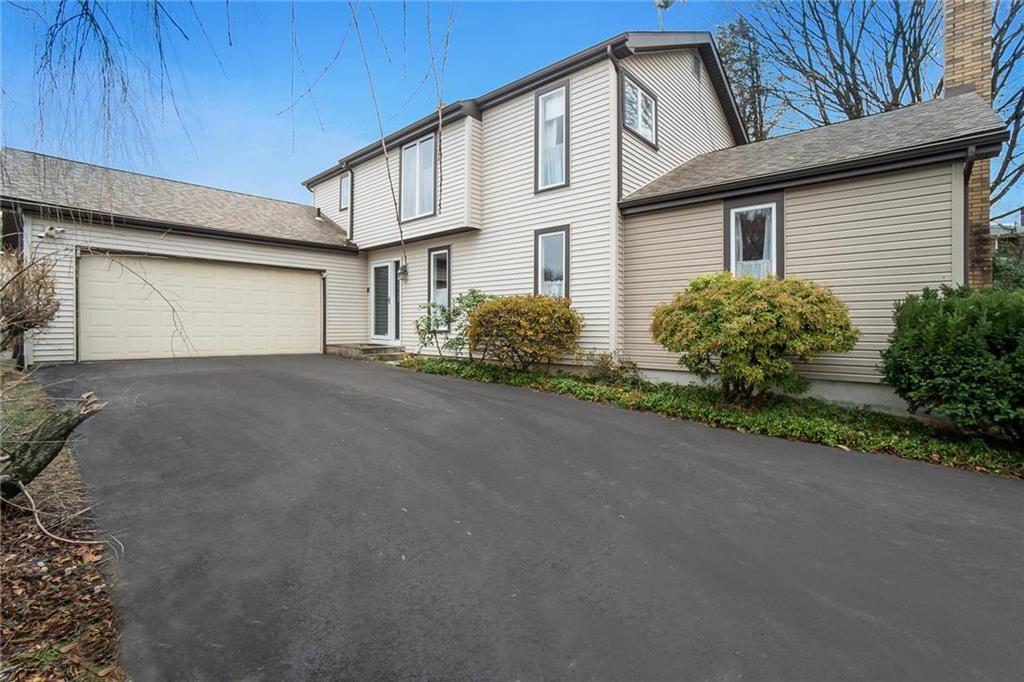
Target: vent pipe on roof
[[319, 216]]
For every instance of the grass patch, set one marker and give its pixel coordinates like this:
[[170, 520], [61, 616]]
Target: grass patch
[[58, 619], [803, 419]]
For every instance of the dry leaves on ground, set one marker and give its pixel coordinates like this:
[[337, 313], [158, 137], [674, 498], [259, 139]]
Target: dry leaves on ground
[[58, 619]]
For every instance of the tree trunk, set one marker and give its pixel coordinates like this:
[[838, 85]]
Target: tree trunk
[[24, 456]]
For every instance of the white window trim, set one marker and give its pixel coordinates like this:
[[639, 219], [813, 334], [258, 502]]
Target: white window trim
[[732, 233], [539, 127], [416, 185], [641, 93], [447, 251], [538, 251], [342, 204]]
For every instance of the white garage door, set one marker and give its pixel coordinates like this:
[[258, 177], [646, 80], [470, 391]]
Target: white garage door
[[153, 307]]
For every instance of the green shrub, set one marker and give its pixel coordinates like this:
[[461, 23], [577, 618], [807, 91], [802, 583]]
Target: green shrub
[[743, 332], [446, 328], [521, 331], [960, 354], [612, 368]]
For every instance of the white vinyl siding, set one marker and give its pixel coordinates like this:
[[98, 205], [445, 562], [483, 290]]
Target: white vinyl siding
[[326, 197], [872, 241], [690, 120], [499, 259], [374, 194], [346, 279]]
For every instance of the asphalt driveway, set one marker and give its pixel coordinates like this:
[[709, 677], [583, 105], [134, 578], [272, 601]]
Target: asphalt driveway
[[312, 517]]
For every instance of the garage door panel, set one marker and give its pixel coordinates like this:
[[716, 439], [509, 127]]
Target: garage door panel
[[173, 307]]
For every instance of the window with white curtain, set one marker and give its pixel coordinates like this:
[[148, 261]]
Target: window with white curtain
[[639, 110], [345, 191], [753, 240], [439, 291], [552, 139], [552, 261], [418, 178]]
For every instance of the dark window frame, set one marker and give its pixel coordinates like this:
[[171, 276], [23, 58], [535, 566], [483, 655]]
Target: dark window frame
[[776, 198], [401, 166], [562, 84], [447, 249], [625, 75], [537, 234]]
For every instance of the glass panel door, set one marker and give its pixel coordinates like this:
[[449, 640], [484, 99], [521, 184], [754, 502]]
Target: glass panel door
[[382, 298]]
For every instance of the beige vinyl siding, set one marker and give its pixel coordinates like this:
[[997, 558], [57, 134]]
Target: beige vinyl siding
[[374, 204], [690, 120], [663, 251], [326, 197], [346, 280], [872, 241]]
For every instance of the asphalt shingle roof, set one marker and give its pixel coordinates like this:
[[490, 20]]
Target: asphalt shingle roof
[[44, 180], [903, 130]]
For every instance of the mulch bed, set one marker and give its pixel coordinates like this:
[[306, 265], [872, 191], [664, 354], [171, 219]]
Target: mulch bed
[[58, 622]]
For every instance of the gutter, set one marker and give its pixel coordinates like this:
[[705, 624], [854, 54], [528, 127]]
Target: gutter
[[985, 146], [111, 220]]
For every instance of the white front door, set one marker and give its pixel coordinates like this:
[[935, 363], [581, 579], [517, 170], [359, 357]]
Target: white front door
[[382, 301]]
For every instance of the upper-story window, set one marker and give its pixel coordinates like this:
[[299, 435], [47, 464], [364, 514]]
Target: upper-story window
[[639, 110], [552, 133], [417, 171], [345, 191], [754, 236]]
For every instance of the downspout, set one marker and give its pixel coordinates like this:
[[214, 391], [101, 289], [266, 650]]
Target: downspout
[[969, 158]]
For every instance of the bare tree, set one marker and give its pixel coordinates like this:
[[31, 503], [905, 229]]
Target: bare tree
[[752, 86], [1008, 96], [839, 60], [28, 297]]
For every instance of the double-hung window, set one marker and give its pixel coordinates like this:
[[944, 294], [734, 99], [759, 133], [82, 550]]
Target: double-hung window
[[754, 237], [417, 170], [639, 110], [345, 191], [551, 261], [439, 288], [552, 133]]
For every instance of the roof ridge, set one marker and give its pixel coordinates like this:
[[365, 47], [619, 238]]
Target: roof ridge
[[153, 177]]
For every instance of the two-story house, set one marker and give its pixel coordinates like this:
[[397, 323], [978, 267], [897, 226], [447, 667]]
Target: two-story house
[[518, 189], [612, 177]]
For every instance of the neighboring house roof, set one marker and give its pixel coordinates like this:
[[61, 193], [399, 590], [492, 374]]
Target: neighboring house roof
[[941, 128], [82, 191], [620, 46]]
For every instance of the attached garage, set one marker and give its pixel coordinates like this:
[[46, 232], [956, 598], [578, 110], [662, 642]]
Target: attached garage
[[134, 307], [145, 267]]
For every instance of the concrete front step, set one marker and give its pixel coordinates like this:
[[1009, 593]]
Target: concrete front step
[[367, 351]]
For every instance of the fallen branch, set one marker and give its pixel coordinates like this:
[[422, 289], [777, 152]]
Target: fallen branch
[[39, 522]]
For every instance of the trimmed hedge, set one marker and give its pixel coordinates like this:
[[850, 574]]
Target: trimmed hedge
[[960, 354], [803, 419], [744, 333], [522, 331]]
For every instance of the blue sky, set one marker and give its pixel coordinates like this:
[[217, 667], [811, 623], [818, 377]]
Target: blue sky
[[232, 133], [228, 129]]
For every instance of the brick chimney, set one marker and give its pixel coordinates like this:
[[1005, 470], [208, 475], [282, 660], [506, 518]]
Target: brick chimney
[[968, 42]]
